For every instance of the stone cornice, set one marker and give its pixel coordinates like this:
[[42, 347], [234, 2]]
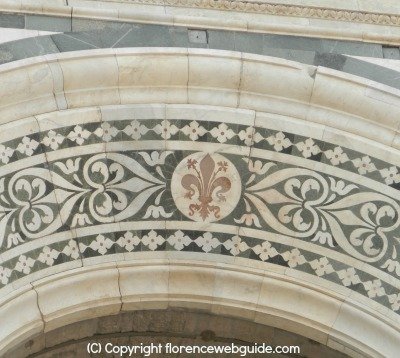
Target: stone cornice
[[271, 8], [355, 23]]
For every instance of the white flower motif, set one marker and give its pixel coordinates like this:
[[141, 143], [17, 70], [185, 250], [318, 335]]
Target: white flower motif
[[80, 219], [135, 130], [323, 238], [24, 264], [106, 131], [5, 154], [257, 137], [279, 141], [27, 146], [374, 288], [166, 129], [101, 244], [48, 255], [322, 266], [391, 175], [53, 140], [341, 187], [250, 136], [70, 166], [349, 276], [392, 266], [247, 136], [222, 133], [207, 242], [308, 148], [395, 301], [265, 250], [71, 250], [248, 219], [78, 135], [258, 167], [179, 240], [364, 165], [194, 130], [235, 245], [5, 274], [155, 158], [152, 240], [13, 239], [336, 156], [293, 258], [128, 241], [156, 212]]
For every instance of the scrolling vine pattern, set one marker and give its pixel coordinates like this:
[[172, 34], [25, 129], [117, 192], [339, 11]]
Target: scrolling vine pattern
[[304, 204], [36, 202]]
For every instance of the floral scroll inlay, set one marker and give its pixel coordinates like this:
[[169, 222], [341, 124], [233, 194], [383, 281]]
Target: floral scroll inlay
[[206, 187], [322, 209]]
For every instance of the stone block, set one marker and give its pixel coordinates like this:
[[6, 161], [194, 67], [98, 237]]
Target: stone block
[[223, 40], [48, 23], [12, 21]]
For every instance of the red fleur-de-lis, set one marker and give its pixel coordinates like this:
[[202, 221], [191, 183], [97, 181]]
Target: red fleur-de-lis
[[205, 182]]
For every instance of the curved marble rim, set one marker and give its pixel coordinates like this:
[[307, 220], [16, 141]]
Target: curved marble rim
[[211, 77], [256, 295], [338, 55]]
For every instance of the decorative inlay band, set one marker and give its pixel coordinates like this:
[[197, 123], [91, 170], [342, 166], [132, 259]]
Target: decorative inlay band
[[206, 242], [77, 192], [114, 187], [270, 8], [192, 131], [302, 203]]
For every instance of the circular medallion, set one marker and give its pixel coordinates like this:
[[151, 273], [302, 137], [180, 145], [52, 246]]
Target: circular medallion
[[206, 187]]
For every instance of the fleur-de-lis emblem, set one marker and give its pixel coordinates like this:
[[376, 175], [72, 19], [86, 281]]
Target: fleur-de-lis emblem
[[205, 185]]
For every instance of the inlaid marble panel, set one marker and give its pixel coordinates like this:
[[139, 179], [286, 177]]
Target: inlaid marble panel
[[102, 189]]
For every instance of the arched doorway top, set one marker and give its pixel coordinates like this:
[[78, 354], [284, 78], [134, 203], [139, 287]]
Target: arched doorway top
[[260, 169]]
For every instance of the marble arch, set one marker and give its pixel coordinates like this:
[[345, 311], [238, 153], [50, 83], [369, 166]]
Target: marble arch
[[243, 185]]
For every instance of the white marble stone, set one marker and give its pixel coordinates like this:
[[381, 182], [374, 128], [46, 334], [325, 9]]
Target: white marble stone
[[148, 78], [88, 84], [10, 34], [78, 294], [20, 317], [223, 76], [289, 304]]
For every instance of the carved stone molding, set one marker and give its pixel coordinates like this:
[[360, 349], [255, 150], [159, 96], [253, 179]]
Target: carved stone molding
[[271, 299], [271, 8]]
